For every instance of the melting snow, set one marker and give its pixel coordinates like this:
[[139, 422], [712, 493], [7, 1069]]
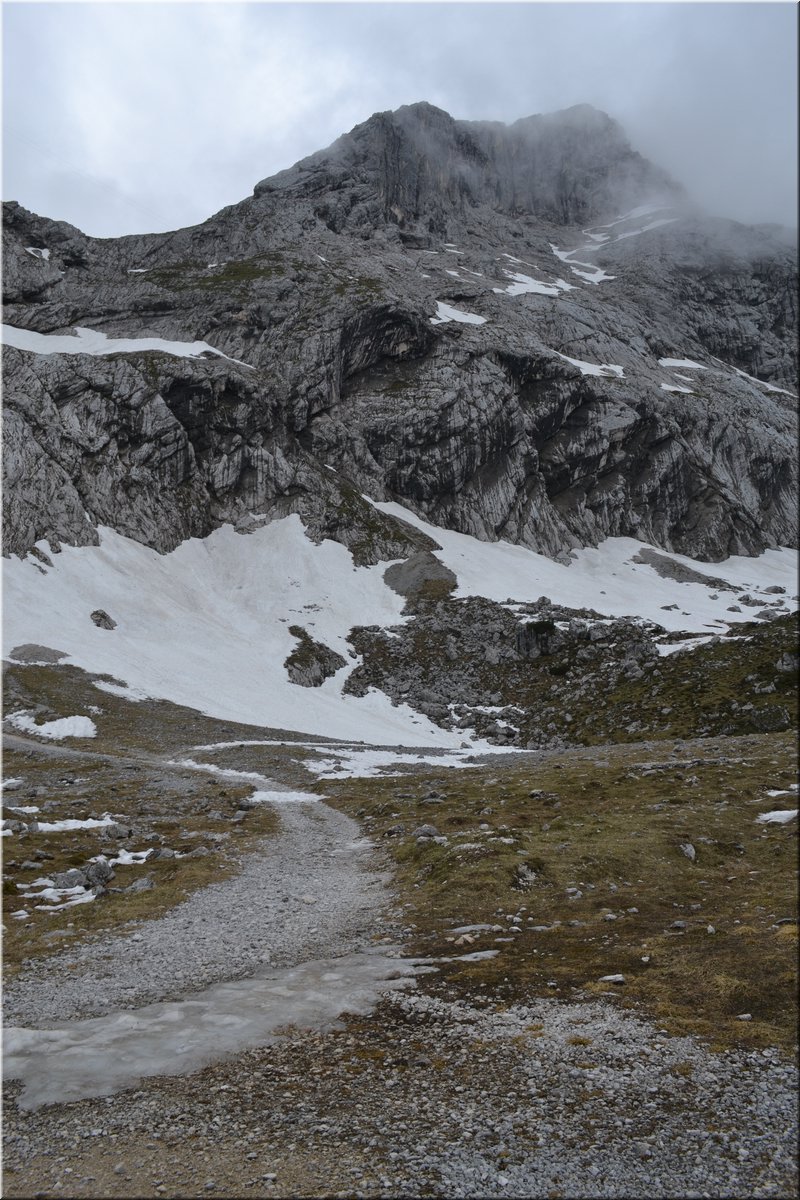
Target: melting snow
[[207, 625], [91, 341], [125, 858], [769, 386], [780, 816], [524, 283], [100, 1056], [82, 727], [37, 253], [674, 387], [444, 312], [272, 797], [588, 368], [592, 273], [366, 764], [603, 578], [686, 363], [69, 824], [665, 648], [645, 228], [121, 689]]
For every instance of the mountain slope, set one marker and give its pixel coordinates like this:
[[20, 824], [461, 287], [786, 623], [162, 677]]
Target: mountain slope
[[417, 309]]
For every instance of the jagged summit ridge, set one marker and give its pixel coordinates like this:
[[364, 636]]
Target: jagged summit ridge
[[571, 167]]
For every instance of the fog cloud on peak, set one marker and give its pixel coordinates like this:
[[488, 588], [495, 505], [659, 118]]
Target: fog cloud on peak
[[124, 118]]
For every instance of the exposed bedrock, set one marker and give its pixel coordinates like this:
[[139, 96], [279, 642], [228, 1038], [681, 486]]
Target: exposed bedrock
[[325, 287]]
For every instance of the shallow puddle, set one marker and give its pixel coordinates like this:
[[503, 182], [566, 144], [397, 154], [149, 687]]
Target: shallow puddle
[[103, 1055]]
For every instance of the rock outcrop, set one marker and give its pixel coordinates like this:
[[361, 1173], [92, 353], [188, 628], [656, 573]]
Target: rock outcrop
[[457, 316]]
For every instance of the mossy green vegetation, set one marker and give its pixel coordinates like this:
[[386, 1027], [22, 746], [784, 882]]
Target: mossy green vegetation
[[188, 275], [577, 857]]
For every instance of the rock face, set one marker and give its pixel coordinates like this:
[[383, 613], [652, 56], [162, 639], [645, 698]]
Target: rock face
[[311, 662], [457, 316]]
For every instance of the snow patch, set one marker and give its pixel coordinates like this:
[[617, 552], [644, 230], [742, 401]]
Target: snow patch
[[82, 727], [70, 824], [686, 363], [770, 387], [521, 284], [779, 816], [588, 368], [603, 578], [444, 312], [206, 626], [36, 252], [91, 341]]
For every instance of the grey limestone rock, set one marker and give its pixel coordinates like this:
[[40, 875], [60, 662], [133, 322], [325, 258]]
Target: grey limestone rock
[[311, 662], [102, 620], [334, 376]]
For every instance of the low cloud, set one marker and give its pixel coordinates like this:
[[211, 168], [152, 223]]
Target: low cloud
[[125, 118]]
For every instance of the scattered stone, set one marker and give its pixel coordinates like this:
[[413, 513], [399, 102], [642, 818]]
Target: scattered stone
[[102, 620]]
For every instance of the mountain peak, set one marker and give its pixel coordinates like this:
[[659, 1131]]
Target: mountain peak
[[568, 167]]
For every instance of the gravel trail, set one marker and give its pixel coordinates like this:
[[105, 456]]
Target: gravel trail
[[312, 892]]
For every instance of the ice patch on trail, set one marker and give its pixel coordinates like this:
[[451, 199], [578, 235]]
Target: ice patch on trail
[[272, 797], [82, 727], [103, 1055], [92, 341]]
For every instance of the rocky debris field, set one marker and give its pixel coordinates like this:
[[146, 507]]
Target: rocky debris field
[[538, 676]]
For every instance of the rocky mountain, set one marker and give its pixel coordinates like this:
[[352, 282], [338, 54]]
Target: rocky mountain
[[524, 334], [454, 315]]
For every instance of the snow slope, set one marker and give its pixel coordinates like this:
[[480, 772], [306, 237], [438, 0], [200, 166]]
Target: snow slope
[[605, 578], [207, 625]]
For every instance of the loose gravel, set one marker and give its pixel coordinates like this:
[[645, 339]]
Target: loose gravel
[[312, 892], [435, 1096]]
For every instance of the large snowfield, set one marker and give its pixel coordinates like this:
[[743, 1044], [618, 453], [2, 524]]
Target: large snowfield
[[207, 625]]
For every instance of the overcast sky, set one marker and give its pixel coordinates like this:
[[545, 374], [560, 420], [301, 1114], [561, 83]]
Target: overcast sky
[[134, 117]]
